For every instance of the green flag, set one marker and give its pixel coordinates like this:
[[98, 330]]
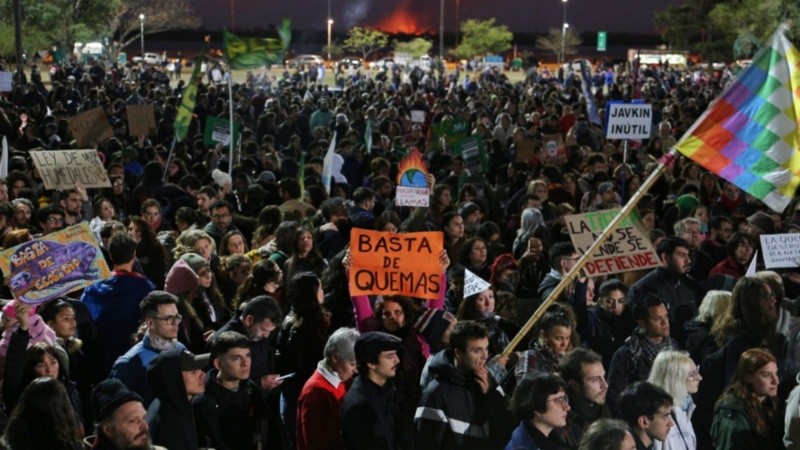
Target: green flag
[[184, 117], [252, 53], [368, 137]]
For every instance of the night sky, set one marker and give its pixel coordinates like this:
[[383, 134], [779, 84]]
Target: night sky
[[631, 16]]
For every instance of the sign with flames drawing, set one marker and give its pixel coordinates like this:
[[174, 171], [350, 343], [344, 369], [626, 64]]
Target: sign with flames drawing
[[412, 181]]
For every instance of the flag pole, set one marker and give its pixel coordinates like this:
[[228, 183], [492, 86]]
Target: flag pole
[[665, 162], [230, 124], [169, 157]]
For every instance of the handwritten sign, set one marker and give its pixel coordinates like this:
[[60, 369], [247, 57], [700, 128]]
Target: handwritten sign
[[412, 184], [218, 131], [626, 249], [396, 264], [629, 121], [418, 115], [59, 263], [141, 119], [63, 169], [90, 127], [554, 152], [6, 81], [781, 250]]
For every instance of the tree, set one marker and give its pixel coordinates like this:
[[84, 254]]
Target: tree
[[552, 42], [482, 37], [365, 41], [336, 50], [687, 27], [416, 47], [159, 16]]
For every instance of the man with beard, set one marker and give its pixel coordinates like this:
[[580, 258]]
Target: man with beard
[[461, 408], [120, 418], [689, 229], [671, 283], [583, 371]]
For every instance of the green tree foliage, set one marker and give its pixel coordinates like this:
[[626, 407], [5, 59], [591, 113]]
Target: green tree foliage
[[416, 47], [553, 39], [482, 37], [336, 51], [365, 41]]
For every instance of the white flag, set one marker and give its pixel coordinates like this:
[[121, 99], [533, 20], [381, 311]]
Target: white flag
[[751, 269], [4, 160], [327, 165], [473, 284]]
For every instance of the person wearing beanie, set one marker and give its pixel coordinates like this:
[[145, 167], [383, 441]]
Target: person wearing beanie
[[120, 419], [176, 376], [209, 307], [369, 406], [760, 223], [181, 277]]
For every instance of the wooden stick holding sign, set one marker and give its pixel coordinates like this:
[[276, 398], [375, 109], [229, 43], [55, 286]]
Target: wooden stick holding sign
[[591, 251]]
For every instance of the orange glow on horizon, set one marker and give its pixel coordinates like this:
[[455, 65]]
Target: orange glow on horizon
[[401, 20]]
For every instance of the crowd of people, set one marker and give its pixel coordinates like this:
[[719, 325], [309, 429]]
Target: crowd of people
[[227, 321]]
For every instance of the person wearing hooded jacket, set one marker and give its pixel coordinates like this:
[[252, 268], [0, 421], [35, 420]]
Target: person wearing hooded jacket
[[176, 376]]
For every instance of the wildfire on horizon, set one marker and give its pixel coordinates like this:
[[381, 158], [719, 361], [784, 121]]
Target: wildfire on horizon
[[402, 20]]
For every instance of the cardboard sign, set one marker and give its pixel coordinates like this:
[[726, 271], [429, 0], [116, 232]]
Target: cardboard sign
[[63, 169], [6, 81], [396, 264], [554, 152], [629, 121], [218, 131], [59, 263], [780, 250], [90, 127], [526, 150], [141, 119], [412, 184], [627, 248]]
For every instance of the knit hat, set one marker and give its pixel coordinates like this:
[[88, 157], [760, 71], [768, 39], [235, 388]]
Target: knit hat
[[605, 187], [266, 177], [195, 261], [109, 395], [467, 209], [220, 177], [687, 202], [181, 278], [764, 221], [433, 323]]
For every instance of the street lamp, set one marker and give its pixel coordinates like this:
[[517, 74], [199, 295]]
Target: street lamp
[[564, 26], [141, 33], [330, 27], [441, 30]]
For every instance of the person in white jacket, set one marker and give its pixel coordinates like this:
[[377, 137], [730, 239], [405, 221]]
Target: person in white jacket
[[791, 437], [675, 372]]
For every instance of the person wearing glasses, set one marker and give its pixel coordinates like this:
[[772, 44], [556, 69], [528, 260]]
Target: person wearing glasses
[[221, 221], [50, 219], [678, 375], [541, 403], [162, 322], [113, 304], [739, 250]]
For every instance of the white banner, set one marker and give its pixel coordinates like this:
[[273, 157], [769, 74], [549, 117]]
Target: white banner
[[629, 121]]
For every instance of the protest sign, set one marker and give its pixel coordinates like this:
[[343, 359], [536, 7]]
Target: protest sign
[[473, 150], [412, 184], [396, 264], [141, 119], [6, 79], [54, 265], [629, 121], [554, 152], [448, 132], [780, 250], [218, 131], [626, 248], [474, 284], [63, 169], [90, 127], [418, 115]]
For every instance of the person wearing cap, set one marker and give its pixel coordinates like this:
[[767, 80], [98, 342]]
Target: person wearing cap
[[114, 303], [120, 419], [176, 376], [607, 195], [461, 407], [231, 414], [319, 419], [369, 407]]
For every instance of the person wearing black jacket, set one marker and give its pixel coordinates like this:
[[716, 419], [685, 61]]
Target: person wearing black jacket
[[368, 409], [176, 376]]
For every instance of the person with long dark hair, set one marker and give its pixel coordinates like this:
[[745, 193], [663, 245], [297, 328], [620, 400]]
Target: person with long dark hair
[[748, 415], [305, 257], [151, 253], [43, 419], [266, 278], [301, 341]]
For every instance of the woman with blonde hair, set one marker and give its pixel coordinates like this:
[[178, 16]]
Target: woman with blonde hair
[[699, 341], [676, 373], [748, 415]]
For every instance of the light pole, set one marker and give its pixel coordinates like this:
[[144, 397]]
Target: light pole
[[564, 26], [441, 30], [330, 28], [141, 33]]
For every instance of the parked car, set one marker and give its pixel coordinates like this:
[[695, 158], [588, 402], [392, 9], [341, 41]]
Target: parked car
[[305, 60], [384, 63], [349, 62], [149, 58]]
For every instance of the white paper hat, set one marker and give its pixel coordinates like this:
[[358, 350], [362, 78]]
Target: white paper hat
[[473, 284]]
